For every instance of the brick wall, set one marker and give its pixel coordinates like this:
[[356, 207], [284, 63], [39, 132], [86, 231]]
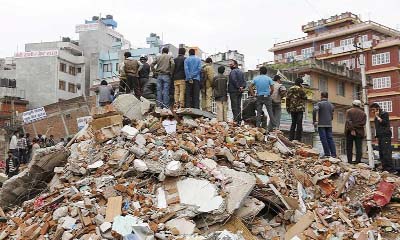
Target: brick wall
[[61, 118]]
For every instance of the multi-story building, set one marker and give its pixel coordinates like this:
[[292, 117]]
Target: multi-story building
[[224, 57], [336, 40], [50, 71], [100, 44]]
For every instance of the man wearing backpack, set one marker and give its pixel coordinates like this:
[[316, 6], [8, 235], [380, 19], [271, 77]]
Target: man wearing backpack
[[192, 73], [165, 68], [276, 96], [206, 88]]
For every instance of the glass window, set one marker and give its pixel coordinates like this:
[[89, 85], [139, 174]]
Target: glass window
[[380, 58], [323, 84], [71, 88], [61, 85], [381, 82], [386, 105], [347, 42], [340, 115], [63, 67], [341, 88]]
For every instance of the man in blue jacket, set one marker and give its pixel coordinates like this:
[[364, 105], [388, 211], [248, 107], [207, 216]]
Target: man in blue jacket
[[236, 86], [192, 74]]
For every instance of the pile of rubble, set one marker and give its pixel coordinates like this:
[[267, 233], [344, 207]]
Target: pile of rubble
[[203, 180]]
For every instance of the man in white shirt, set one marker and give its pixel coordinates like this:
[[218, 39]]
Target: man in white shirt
[[13, 144]]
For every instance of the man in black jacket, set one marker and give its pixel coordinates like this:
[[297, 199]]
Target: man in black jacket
[[12, 165], [236, 86], [384, 136], [179, 78]]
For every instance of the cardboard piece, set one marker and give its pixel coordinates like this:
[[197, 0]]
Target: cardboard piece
[[113, 208]]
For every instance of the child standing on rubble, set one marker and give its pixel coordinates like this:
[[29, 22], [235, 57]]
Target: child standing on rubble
[[12, 165], [220, 85]]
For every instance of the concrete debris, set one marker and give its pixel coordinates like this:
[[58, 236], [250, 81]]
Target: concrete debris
[[198, 179]]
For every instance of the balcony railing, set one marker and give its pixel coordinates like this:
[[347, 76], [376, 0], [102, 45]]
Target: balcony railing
[[12, 92]]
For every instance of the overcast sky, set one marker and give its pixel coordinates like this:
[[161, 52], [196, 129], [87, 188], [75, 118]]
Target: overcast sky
[[249, 26]]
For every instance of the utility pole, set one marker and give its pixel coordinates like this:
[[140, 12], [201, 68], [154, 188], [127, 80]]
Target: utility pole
[[371, 160], [362, 62]]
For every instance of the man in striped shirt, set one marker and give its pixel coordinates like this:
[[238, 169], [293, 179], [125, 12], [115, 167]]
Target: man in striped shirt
[[22, 147]]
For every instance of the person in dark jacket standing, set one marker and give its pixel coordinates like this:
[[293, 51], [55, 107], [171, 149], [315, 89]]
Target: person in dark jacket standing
[[324, 111], [295, 105], [192, 73], [179, 78], [384, 136], [12, 165], [236, 86], [144, 71], [354, 130], [220, 88]]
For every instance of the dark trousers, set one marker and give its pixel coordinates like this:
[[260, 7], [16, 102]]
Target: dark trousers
[[296, 129], [385, 152], [325, 135], [192, 94], [22, 157], [236, 105], [137, 86], [349, 147], [267, 101]]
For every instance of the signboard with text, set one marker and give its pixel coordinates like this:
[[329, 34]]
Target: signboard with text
[[46, 53], [83, 121], [34, 115]]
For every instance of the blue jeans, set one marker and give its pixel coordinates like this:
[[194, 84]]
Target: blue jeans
[[325, 134], [163, 82]]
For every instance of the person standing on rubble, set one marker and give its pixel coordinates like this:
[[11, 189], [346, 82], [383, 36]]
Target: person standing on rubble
[[295, 105], [12, 165], [179, 78], [384, 136], [131, 70], [192, 72], [163, 67], [276, 96], [354, 130], [22, 147], [220, 87], [264, 87], [13, 144], [106, 93], [206, 89], [324, 111], [236, 86], [144, 71]]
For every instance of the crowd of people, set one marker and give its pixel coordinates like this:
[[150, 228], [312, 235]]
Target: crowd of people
[[22, 148], [184, 81]]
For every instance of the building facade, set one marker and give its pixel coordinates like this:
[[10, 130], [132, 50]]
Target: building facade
[[50, 71], [338, 40]]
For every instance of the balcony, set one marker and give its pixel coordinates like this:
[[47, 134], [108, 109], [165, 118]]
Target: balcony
[[12, 92]]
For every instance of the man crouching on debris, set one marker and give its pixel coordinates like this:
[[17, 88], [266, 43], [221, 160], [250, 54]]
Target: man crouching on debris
[[12, 165]]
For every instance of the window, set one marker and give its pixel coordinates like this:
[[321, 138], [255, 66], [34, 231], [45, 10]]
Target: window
[[382, 82], [347, 42], [278, 57], [356, 91], [340, 115], [79, 70], [71, 70], [107, 67], [398, 133], [63, 67], [391, 129], [380, 58], [290, 54], [386, 105], [61, 85], [307, 52], [71, 88], [341, 88], [327, 46], [116, 67], [363, 38], [349, 63], [323, 84]]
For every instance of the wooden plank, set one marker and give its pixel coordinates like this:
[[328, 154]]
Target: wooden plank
[[343, 184], [321, 218], [300, 226], [280, 196], [113, 208]]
